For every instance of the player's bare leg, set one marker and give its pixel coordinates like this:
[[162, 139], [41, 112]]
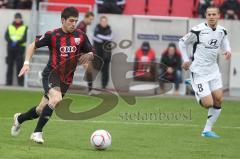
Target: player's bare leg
[[89, 68], [213, 113], [43, 103], [55, 96], [206, 101], [217, 97]]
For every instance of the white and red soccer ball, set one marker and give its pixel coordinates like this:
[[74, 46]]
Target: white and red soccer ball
[[101, 139]]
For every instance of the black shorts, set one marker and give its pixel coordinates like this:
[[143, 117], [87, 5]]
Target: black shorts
[[52, 80]]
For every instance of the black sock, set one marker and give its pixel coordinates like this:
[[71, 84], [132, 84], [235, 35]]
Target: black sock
[[44, 117], [89, 86], [216, 107], [29, 115], [200, 102]]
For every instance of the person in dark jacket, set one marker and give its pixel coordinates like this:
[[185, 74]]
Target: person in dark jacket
[[102, 37], [82, 25], [230, 9], [16, 36], [170, 67], [110, 6]]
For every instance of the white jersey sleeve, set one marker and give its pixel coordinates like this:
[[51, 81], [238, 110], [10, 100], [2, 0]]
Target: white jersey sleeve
[[184, 42], [225, 45]]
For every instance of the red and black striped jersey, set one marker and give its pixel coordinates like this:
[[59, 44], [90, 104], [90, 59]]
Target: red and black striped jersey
[[82, 26], [65, 50]]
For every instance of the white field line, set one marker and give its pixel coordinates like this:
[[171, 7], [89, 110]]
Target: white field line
[[134, 123]]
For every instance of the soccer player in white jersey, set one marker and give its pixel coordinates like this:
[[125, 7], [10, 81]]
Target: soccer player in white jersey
[[207, 40]]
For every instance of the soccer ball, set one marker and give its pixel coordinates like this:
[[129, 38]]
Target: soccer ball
[[100, 139]]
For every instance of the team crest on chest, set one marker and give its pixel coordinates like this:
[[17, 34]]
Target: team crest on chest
[[77, 40], [220, 34]]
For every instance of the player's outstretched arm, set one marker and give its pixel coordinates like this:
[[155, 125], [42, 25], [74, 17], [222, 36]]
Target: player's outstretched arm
[[183, 49], [226, 48], [29, 54], [186, 62], [184, 42]]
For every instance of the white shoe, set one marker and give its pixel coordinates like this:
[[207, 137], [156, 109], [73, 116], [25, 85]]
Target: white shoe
[[90, 93], [37, 137], [15, 130]]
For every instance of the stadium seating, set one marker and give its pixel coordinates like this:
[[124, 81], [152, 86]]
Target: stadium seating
[[154, 7], [218, 2], [157, 7], [78, 2], [182, 8], [133, 8], [179, 8]]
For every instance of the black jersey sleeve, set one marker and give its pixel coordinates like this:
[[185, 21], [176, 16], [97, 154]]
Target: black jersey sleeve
[[86, 47], [43, 40]]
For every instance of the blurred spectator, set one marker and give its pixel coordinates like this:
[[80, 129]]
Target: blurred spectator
[[230, 9], [24, 4], [19, 4], [88, 18], [203, 5], [15, 36], [102, 38], [110, 6], [144, 66], [170, 67], [3, 3]]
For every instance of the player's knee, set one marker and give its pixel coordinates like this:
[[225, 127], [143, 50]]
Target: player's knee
[[39, 110], [206, 103], [55, 101], [218, 101]]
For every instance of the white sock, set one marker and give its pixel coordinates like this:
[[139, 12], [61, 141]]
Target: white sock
[[213, 114]]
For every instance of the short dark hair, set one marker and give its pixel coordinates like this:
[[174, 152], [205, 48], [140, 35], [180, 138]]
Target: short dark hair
[[89, 14], [69, 12], [213, 7], [172, 45]]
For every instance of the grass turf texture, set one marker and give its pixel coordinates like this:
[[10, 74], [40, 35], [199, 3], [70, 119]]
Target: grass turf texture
[[134, 136]]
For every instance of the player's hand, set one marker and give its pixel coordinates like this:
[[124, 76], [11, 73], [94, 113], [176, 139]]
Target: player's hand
[[85, 58], [24, 70], [85, 66], [186, 65], [227, 55], [170, 70]]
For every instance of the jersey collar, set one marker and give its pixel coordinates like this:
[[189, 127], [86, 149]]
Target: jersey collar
[[213, 29]]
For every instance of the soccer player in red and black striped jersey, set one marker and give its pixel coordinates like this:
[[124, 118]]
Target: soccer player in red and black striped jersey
[[68, 46]]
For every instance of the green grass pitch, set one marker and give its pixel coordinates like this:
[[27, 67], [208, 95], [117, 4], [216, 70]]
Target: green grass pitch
[[136, 132]]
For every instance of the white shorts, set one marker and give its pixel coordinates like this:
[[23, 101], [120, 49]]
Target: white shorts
[[203, 89]]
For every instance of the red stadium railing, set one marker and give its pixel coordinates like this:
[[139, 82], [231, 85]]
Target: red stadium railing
[[180, 8], [59, 5]]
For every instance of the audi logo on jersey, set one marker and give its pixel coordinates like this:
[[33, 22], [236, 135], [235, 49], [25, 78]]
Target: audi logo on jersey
[[68, 49]]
